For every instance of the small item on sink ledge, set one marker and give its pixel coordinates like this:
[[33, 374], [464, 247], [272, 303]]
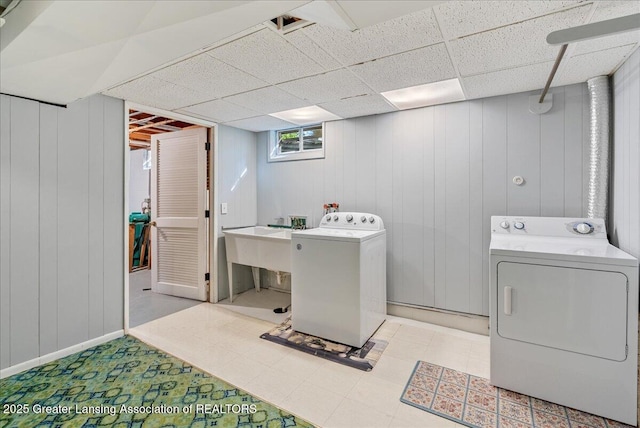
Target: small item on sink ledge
[[331, 208], [298, 221]]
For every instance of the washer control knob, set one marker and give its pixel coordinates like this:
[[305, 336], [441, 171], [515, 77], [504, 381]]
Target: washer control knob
[[328, 218], [349, 218], [504, 224], [584, 228], [518, 225], [372, 220], [363, 219], [335, 218]]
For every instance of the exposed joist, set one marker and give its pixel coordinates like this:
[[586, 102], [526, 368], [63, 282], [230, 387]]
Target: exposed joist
[[142, 127], [142, 120], [165, 128], [151, 125], [139, 144], [138, 136]]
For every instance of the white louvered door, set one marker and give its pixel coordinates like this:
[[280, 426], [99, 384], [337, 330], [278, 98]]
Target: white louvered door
[[178, 198]]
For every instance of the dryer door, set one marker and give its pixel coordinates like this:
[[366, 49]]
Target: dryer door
[[577, 310]]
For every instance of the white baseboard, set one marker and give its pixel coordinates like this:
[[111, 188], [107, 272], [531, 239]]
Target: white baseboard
[[10, 371], [472, 323]]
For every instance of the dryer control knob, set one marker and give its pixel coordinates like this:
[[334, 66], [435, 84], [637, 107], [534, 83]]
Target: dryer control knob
[[372, 220], [518, 225], [335, 218], [349, 218], [584, 228], [363, 219], [504, 224], [328, 218]]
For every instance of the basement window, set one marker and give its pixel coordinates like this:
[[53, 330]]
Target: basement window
[[305, 142]]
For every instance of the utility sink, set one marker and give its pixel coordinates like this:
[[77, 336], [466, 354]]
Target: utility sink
[[258, 247]]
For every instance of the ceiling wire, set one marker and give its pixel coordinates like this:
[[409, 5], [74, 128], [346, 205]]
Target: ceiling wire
[[9, 8]]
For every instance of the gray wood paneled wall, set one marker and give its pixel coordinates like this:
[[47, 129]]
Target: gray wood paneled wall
[[237, 187], [61, 225], [625, 193], [436, 175]]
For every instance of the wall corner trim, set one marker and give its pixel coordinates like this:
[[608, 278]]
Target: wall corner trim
[[10, 371]]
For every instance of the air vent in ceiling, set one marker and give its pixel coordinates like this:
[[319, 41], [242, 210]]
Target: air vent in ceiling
[[287, 23]]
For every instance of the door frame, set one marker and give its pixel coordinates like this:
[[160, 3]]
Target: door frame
[[213, 201]]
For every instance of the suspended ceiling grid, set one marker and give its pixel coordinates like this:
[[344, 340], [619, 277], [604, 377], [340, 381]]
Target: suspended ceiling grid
[[238, 74], [494, 47]]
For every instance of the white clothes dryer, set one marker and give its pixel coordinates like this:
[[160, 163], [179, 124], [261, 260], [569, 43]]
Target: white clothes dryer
[[564, 314]]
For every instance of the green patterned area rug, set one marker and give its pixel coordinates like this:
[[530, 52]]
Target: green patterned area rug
[[126, 383]]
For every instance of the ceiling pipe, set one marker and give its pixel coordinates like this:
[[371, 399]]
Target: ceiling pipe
[[587, 32], [595, 30], [563, 49]]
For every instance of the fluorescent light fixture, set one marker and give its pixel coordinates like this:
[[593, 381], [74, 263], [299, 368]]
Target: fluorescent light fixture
[[445, 91], [305, 115]]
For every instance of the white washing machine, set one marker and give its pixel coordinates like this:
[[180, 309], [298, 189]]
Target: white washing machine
[[338, 278], [564, 314]]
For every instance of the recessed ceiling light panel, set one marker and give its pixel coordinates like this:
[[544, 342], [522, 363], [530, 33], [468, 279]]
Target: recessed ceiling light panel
[[445, 91], [305, 115]]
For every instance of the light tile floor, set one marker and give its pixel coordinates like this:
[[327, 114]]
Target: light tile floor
[[145, 305], [260, 304], [227, 345]]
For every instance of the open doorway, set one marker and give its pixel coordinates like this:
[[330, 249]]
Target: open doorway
[[168, 245]]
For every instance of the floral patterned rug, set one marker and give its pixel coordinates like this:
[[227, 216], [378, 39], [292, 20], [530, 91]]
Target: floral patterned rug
[[472, 401], [127, 383], [364, 358]]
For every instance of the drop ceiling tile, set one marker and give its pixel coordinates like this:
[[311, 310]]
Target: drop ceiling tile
[[515, 45], [220, 111], [610, 10], [533, 77], [330, 86], [267, 56], [267, 100], [461, 18], [359, 106], [261, 123], [210, 76], [303, 43], [510, 81], [387, 38], [607, 42], [154, 92], [365, 13], [614, 9], [426, 65], [583, 67]]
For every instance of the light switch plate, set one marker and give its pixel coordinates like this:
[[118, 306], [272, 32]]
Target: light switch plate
[[223, 208]]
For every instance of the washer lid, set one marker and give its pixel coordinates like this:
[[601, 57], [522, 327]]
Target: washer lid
[[576, 250], [327, 234]]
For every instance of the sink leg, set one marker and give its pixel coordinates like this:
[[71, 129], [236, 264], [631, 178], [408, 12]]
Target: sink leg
[[256, 277], [230, 272]]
